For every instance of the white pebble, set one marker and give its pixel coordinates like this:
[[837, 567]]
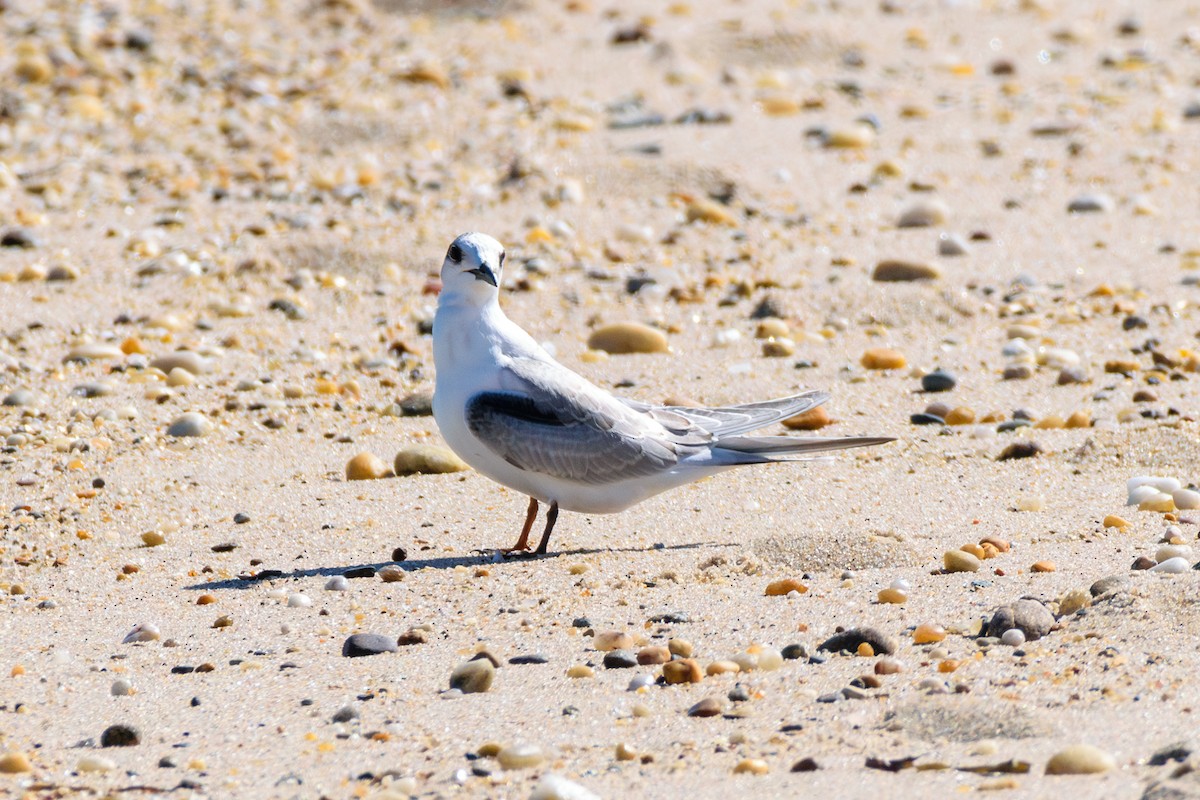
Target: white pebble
[[1172, 566], [1167, 485], [142, 632], [556, 787], [640, 681], [902, 584], [726, 337], [121, 688], [1169, 551], [277, 594], [95, 764], [1186, 499], [1140, 494], [298, 600], [1013, 637], [1016, 347], [337, 583]]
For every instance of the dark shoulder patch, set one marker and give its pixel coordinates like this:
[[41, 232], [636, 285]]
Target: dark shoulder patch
[[487, 405]]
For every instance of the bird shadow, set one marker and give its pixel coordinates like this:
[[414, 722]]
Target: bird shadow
[[478, 558]]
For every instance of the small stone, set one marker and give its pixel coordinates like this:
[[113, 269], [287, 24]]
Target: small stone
[[13, 763], [793, 652], [625, 753], [938, 381], [520, 756], [391, 574], [620, 659], [654, 655], [1013, 637], [580, 671], [181, 359], [1030, 616], [19, 238], [1017, 372], [772, 328], [471, 677], [899, 271], [952, 245], [923, 214], [427, 459], [120, 736], [960, 561], [93, 389], [702, 210], [892, 596], [811, 420], [556, 787], [142, 632], [1111, 583], [708, 707], [628, 337], [1143, 563], [680, 647], [751, 766], [1113, 521], [365, 467], [337, 583], [807, 764], [95, 764], [368, 644], [612, 640], [121, 687], [153, 539], [684, 670], [1043, 566], [785, 586], [344, 714], [882, 358], [1019, 450], [1186, 499], [778, 348], [1172, 566], [852, 137], [851, 640], [20, 397], [769, 659], [928, 633], [192, 423], [960, 416], [888, 666], [1090, 204], [1080, 759], [722, 667]]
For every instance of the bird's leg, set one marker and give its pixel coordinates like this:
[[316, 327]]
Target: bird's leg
[[530, 516], [551, 518]]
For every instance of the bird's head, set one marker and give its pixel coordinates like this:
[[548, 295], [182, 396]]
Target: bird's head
[[473, 266]]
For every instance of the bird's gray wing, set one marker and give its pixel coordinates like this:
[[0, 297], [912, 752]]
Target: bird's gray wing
[[733, 420], [551, 421]]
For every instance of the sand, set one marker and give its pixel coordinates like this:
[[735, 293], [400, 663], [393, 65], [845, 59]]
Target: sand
[[273, 185]]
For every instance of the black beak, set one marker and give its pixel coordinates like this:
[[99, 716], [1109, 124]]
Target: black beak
[[484, 273]]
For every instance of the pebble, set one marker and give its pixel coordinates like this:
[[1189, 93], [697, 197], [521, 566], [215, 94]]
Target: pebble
[[772, 328], [653, 655], [20, 397], [778, 348], [620, 659], [556, 787], [811, 420], [368, 644], [93, 389], [1111, 583], [722, 667], [471, 677], [699, 210], [95, 764], [1143, 562], [582, 671], [1018, 450], [1073, 601], [892, 596], [181, 359], [142, 632], [612, 640], [93, 351], [337, 583], [1169, 551], [120, 736], [882, 358], [1043, 566], [365, 467], [121, 687], [628, 337], [708, 707], [960, 561], [1013, 637], [852, 137], [938, 381], [13, 763], [1172, 566], [1186, 499], [769, 659], [299, 600], [952, 245], [902, 271], [928, 633], [344, 714], [192, 423], [391, 574], [751, 766], [1080, 759], [888, 666], [784, 587], [1090, 204], [640, 682], [684, 670], [1031, 617], [794, 651], [853, 638], [520, 756], [427, 459], [924, 214], [1113, 521]]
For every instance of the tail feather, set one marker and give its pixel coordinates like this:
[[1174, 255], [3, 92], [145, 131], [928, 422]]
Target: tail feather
[[768, 447]]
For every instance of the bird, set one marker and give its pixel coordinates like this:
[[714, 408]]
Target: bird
[[516, 415]]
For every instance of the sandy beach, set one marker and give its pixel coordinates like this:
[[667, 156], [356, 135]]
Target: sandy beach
[[973, 223]]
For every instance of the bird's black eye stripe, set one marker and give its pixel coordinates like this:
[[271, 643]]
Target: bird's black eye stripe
[[501, 258], [455, 253]]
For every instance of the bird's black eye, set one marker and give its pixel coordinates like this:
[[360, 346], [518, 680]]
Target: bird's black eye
[[455, 253], [501, 259]]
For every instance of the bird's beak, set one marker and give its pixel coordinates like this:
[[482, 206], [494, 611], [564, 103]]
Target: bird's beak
[[484, 273]]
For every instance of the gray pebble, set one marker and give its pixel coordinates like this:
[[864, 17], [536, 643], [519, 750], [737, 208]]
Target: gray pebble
[[183, 359], [938, 381], [19, 238], [345, 714], [951, 244], [1031, 617], [739, 693], [192, 423], [923, 214], [92, 389], [337, 583], [880, 642], [619, 659], [1090, 204], [794, 651], [1112, 583], [20, 397], [120, 736], [368, 644]]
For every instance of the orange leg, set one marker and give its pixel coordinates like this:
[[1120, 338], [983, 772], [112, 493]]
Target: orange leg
[[551, 518], [530, 516]]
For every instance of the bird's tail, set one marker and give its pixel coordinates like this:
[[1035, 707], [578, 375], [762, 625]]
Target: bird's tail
[[756, 449]]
